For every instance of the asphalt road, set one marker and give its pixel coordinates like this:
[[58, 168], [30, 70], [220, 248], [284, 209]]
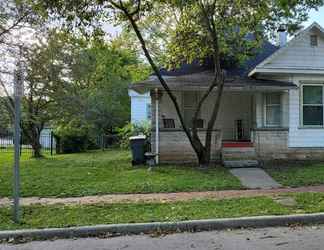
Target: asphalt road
[[309, 238]]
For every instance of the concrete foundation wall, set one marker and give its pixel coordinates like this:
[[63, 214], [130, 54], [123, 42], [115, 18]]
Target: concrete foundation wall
[[273, 144], [175, 146]]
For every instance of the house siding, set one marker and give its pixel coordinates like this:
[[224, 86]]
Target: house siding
[[234, 105], [300, 54], [299, 136]]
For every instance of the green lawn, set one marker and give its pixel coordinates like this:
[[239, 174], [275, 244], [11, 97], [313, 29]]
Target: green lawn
[[297, 175], [106, 173], [66, 216]]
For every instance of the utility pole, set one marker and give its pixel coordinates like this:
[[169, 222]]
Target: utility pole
[[18, 93]]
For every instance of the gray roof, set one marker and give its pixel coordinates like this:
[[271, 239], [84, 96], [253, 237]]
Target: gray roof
[[199, 75], [202, 80]]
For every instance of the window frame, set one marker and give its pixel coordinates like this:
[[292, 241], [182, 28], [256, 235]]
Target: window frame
[[313, 40], [265, 106], [301, 102]]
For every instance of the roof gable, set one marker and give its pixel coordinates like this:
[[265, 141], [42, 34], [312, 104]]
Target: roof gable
[[297, 54]]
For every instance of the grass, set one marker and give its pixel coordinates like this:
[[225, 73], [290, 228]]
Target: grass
[[76, 215], [106, 172], [297, 175], [66, 216]]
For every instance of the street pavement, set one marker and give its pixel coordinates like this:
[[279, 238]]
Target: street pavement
[[310, 238]]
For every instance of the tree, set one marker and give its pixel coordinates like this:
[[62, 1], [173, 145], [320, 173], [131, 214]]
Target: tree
[[210, 28], [46, 70], [5, 119], [100, 77]]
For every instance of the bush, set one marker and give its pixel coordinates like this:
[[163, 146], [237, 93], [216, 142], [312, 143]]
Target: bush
[[130, 129], [72, 138]]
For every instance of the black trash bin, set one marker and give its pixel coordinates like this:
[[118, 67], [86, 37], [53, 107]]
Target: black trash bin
[[138, 146]]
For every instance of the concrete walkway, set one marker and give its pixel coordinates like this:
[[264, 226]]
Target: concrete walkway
[[254, 178], [161, 197]]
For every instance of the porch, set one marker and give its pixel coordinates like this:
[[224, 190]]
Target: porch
[[245, 121]]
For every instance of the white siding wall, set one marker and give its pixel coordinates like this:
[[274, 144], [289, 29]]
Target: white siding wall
[[139, 106], [298, 136], [234, 106], [300, 54]]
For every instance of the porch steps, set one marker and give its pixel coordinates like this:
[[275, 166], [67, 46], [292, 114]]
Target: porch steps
[[241, 163], [239, 155]]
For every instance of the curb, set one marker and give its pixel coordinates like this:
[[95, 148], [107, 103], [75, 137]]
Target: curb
[[139, 228]]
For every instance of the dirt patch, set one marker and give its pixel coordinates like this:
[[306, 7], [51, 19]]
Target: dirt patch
[[161, 197]]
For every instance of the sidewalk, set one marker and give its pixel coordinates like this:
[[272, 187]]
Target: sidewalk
[[161, 197]]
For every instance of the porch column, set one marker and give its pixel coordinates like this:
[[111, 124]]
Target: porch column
[[156, 91]]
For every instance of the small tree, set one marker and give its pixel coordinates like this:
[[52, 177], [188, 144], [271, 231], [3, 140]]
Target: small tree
[[207, 27]]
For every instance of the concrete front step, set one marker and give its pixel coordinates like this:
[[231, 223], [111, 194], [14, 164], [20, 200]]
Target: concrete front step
[[239, 154], [240, 163], [239, 157], [242, 151]]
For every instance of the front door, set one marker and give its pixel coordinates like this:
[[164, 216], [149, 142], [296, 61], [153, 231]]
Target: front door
[[235, 117]]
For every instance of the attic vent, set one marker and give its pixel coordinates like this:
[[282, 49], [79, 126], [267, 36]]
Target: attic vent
[[313, 40]]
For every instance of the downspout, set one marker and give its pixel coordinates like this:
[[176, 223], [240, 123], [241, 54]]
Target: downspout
[[157, 125]]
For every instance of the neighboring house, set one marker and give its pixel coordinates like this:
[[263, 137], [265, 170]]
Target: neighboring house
[[140, 107], [272, 106], [46, 139]]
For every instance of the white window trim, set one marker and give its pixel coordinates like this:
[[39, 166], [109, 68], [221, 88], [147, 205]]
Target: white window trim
[[265, 111], [301, 105]]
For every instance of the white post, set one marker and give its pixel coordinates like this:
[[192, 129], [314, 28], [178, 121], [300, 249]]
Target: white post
[[157, 125]]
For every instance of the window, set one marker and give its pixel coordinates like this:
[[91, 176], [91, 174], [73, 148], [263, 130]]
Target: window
[[272, 110], [312, 106], [313, 40], [190, 102], [168, 123], [148, 111]]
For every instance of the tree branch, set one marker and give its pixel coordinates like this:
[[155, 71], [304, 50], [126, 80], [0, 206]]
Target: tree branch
[[10, 101], [18, 21], [156, 70]]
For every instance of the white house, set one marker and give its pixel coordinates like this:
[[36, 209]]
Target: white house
[[140, 107], [272, 106]]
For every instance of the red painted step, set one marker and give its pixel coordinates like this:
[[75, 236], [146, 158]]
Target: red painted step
[[237, 144]]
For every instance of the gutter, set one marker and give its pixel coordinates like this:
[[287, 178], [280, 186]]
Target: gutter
[[167, 227]]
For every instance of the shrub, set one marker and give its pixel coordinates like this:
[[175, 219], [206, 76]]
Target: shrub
[[143, 128], [72, 138]]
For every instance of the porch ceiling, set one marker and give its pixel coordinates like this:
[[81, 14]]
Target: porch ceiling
[[200, 81]]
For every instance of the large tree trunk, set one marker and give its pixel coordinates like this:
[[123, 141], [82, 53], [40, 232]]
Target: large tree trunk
[[32, 132], [202, 151], [37, 148]]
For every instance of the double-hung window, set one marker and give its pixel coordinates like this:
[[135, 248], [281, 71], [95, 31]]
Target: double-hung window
[[312, 105], [272, 110]]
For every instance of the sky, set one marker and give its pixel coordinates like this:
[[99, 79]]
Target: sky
[[316, 16]]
